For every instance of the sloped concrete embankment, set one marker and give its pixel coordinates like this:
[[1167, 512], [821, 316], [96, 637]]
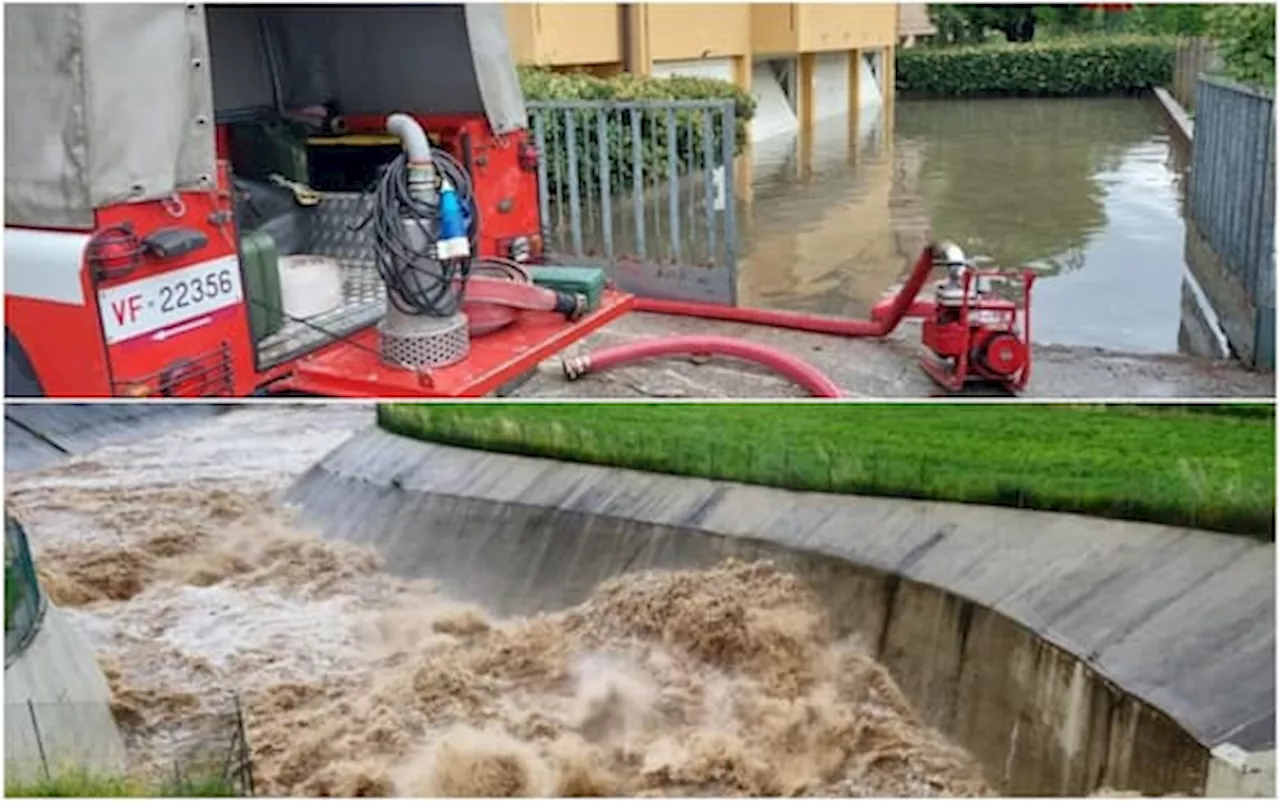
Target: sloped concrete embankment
[[57, 700], [37, 436], [58, 707], [1068, 654]]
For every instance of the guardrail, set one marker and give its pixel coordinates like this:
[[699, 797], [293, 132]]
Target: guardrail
[[1231, 205], [643, 188]]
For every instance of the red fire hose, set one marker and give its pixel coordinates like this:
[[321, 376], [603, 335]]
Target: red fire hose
[[798, 321], [799, 371]]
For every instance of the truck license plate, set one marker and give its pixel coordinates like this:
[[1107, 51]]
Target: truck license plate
[[154, 304]]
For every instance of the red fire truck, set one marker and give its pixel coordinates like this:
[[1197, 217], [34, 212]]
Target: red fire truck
[[227, 200]]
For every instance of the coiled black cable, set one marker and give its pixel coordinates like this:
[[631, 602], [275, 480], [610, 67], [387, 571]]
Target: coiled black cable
[[418, 282]]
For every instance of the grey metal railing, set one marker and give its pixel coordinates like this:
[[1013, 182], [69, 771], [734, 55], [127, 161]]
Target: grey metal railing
[[24, 603], [1233, 196], [643, 188]]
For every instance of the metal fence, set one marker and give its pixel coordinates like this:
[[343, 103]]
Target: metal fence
[[1232, 200], [92, 749], [644, 189], [24, 603]]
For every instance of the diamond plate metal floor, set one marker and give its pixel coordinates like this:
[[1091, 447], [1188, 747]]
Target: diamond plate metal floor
[[336, 234]]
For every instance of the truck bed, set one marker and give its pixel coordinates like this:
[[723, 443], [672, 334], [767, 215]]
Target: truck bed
[[363, 298]]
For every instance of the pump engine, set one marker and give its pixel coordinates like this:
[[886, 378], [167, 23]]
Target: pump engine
[[970, 333]]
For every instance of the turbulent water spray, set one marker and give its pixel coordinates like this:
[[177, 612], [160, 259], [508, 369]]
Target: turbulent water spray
[[191, 583]]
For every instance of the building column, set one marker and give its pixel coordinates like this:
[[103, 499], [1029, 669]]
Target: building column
[[806, 110], [855, 102], [888, 89], [637, 56], [744, 164]]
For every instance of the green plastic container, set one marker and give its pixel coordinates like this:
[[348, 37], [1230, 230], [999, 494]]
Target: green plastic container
[[259, 149], [261, 262], [588, 281]]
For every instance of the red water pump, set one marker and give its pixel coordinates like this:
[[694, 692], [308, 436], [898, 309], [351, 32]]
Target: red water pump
[[971, 334]]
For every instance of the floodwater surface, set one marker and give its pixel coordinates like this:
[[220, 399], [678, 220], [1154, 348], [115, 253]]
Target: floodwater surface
[[1087, 192]]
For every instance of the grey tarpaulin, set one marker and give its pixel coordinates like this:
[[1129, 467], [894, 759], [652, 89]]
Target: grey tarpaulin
[[115, 102], [374, 59], [103, 104]]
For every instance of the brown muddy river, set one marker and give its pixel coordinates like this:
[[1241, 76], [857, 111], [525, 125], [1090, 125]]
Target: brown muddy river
[[171, 559], [1086, 191]]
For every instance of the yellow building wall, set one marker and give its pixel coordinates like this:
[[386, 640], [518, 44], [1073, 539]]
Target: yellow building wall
[[773, 28], [822, 27], [554, 34], [683, 31], [563, 34]]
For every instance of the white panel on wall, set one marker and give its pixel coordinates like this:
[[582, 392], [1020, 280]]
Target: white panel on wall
[[830, 85], [774, 115]]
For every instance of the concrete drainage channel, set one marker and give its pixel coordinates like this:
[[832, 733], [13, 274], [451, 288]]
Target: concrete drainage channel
[[1067, 654]]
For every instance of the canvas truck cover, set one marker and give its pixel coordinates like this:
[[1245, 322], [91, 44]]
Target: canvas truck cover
[[111, 103]]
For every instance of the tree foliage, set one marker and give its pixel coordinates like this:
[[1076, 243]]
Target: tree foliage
[[1246, 39], [1169, 19], [971, 24]]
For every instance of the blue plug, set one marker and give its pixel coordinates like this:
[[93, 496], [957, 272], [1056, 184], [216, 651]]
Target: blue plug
[[453, 243]]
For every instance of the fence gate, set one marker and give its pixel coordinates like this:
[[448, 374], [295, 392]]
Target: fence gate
[[643, 189]]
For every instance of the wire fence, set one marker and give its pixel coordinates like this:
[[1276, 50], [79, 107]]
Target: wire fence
[[95, 748], [92, 748]]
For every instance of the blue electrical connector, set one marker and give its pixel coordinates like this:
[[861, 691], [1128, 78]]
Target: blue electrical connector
[[453, 242]]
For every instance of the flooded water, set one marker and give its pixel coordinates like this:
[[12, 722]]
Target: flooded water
[[1086, 191], [171, 558]]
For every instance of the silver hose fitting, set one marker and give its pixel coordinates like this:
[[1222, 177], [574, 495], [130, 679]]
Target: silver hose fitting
[[575, 367]]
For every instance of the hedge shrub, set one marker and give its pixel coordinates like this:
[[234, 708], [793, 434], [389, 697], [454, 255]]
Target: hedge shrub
[[1055, 68], [541, 84]]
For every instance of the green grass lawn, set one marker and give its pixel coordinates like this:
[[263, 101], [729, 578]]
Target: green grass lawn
[[75, 783], [1209, 467]]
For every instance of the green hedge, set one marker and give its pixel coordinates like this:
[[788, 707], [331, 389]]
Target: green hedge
[[545, 85], [1057, 68]]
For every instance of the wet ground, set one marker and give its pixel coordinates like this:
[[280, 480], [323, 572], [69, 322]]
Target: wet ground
[[1086, 191], [888, 368]]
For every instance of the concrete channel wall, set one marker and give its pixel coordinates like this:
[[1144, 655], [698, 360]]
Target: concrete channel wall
[[40, 435], [57, 700], [1068, 654], [58, 707]]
